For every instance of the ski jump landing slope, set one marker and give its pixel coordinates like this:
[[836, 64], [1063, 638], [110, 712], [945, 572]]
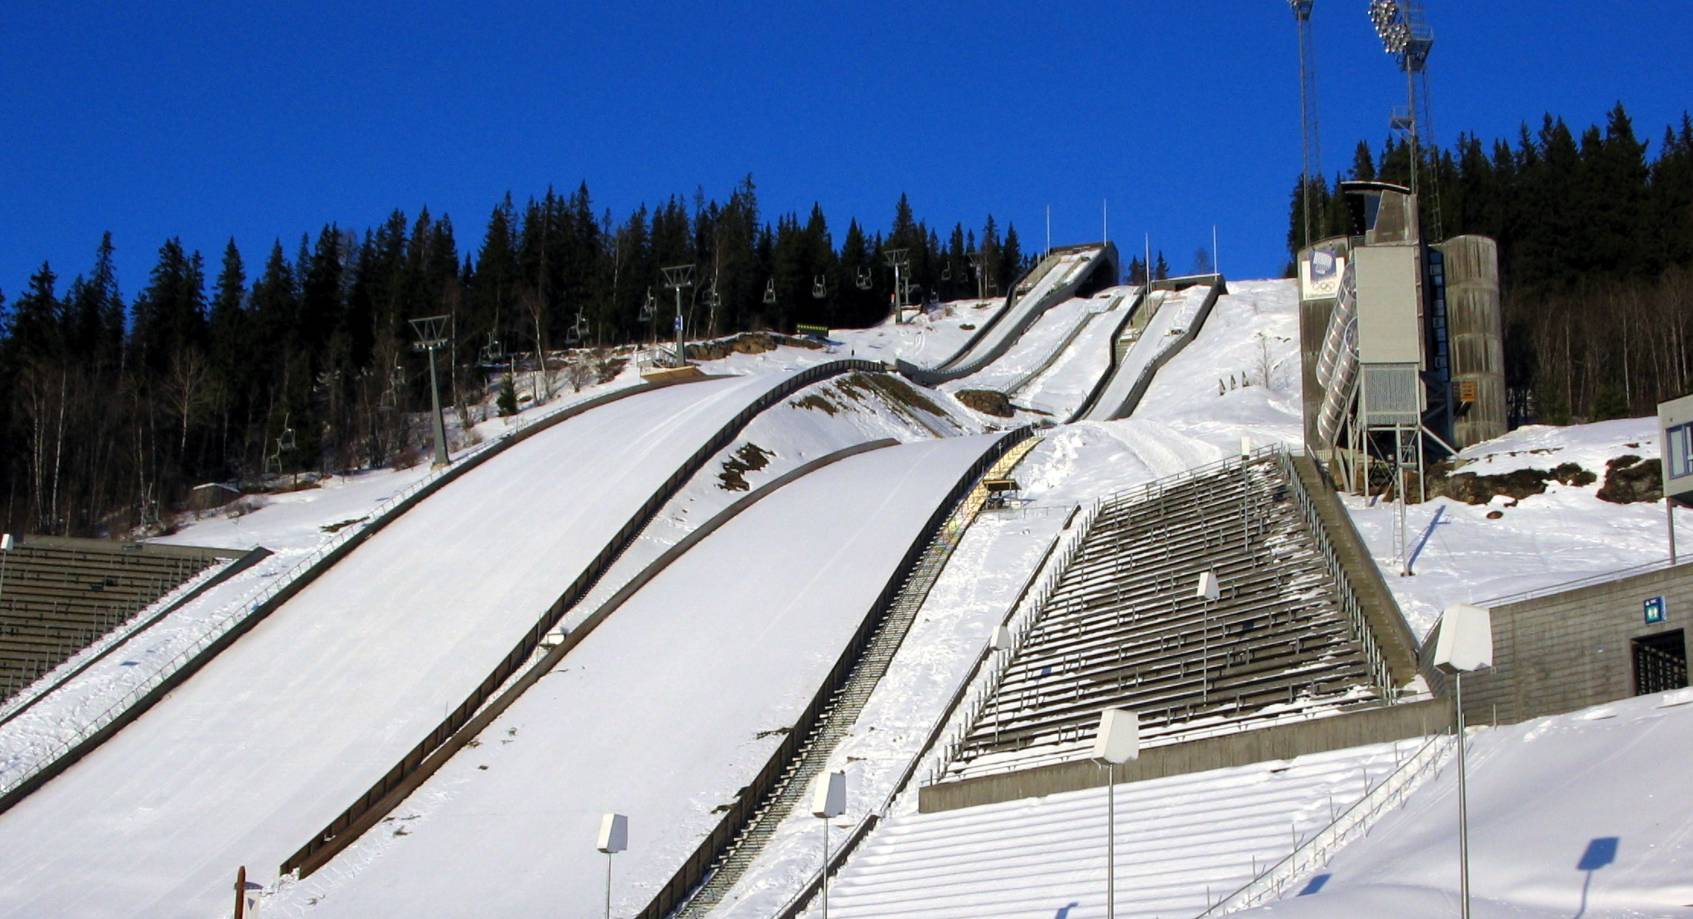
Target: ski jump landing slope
[[661, 713], [1177, 319], [271, 740], [1058, 277]]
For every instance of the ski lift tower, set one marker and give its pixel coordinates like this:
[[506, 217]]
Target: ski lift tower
[[677, 278], [431, 337], [899, 260]]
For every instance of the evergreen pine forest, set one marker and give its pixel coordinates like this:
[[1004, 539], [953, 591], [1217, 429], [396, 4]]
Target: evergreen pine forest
[[116, 407], [1595, 237]]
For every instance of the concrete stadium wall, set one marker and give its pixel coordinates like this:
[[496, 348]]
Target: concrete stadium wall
[[1568, 650], [1376, 725]]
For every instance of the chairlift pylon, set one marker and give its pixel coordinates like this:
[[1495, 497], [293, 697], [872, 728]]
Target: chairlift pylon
[[770, 292]]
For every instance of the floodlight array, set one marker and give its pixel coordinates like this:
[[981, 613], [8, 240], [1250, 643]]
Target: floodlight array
[[1392, 26]]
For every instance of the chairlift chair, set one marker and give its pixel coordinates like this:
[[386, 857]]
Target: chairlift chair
[[648, 307], [866, 278], [770, 292], [946, 271], [820, 286]]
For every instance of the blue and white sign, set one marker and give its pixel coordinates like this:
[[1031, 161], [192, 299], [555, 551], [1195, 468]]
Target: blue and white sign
[[1654, 608], [678, 322]]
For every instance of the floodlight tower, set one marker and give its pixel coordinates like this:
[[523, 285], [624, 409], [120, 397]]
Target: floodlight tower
[[1311, 157], [678, 277], [1405, 35], [431, 337]]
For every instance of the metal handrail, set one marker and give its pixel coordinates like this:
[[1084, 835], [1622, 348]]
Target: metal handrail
[[797, 902], [332, 837], [47, 751], [694, 869], [1314, 850], [1603, 577], [1349, 602]]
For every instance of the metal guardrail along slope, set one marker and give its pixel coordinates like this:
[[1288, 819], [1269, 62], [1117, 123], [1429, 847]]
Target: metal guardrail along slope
[[1134, 309], [1052, 357], [1355, 568], [993, 321], [1020, 312], [141, 623], [383, 794], [59, 755], [797, 904], [1316, 850], [1170, 349], [844, 708], [693, 869]]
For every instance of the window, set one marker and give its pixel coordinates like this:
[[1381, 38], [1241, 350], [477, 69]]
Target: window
[[1678, 449]]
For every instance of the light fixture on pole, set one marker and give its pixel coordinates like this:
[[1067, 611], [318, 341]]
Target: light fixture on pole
[[1465, 645], [613, 838], [431, 337], [1207, 590], [678, 277], [5, 550], [1116, 742], [828, 801]]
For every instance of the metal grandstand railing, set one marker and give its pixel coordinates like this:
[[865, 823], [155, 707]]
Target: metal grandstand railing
[[987, 684], [1348, 597]]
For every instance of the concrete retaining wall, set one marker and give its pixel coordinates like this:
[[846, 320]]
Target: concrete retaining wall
[[1569, 650], [1376, 725]]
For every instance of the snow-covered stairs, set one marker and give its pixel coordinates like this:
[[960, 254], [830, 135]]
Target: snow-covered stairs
[[1123, 628], [1181, 843], [846, 703]]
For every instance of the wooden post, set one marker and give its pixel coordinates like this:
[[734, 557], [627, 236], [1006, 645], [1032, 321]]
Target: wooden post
[[240, 891]]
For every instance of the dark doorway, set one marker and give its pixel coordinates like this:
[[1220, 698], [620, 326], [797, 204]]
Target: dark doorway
[[1660, 662]]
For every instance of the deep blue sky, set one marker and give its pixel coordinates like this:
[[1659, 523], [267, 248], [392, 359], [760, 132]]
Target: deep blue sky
[[267, 120]]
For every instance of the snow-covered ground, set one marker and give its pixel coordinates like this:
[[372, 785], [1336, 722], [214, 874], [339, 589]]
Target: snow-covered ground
[[297, 527], [294, 721], [1462, 556], [1177, 839], [814, 422], [661, 713], [973, 594], [927, 340], [1585, 814], [1061, 388], [1031, 349]]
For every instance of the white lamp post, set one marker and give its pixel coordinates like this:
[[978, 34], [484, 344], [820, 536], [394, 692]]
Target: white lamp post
[[1208, 591], [1465, 645], [1116, 742], [828, 801], [613, 838], [5, 550]]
